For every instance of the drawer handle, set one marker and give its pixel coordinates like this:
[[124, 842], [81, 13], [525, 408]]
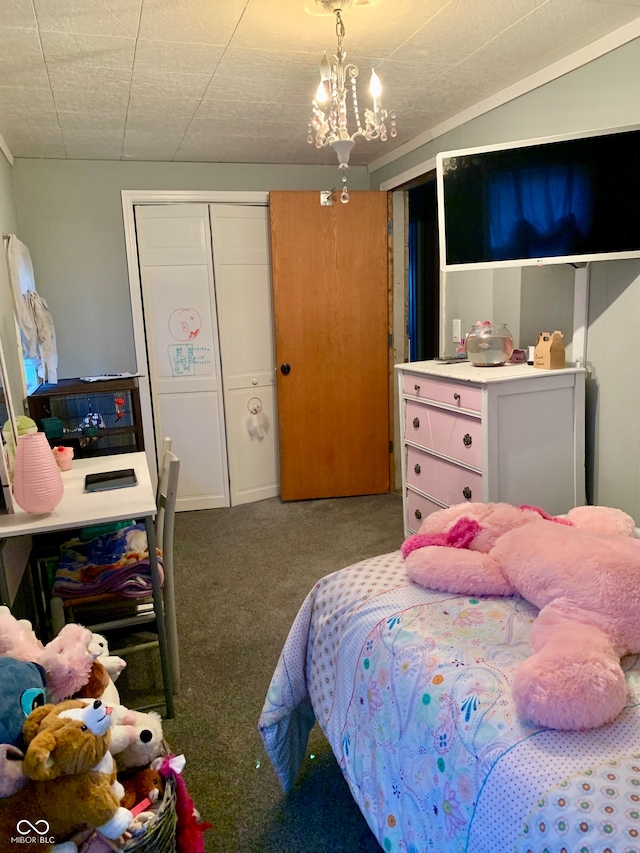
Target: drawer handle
[[418, 514], [416, 388], [467, 440], [416, 423], [416, 467], [466, 492], [456, 397]]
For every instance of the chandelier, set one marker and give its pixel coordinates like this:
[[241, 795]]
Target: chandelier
[[336, 115]]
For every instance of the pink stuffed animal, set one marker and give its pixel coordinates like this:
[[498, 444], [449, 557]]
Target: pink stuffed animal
[[582, 571], [66, 659]]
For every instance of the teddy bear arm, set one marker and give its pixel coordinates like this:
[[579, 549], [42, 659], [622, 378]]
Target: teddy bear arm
[[457, 570]]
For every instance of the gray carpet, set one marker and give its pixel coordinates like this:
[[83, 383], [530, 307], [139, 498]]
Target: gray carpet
[[241, 575]]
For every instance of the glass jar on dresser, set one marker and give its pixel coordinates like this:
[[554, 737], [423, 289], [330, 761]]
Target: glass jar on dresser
[[513, 433]]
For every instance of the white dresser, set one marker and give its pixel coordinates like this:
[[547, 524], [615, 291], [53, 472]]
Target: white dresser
[[512, 434]]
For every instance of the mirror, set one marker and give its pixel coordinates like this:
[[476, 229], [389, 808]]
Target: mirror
[[529, 300], [8, 437]]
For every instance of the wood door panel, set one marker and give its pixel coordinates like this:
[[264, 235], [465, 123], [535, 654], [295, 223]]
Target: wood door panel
[[329, 274]]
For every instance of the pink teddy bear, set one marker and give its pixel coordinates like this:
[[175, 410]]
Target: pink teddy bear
[[582, 571]]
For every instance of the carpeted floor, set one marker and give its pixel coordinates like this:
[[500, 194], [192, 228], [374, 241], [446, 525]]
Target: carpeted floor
[[241, 575]]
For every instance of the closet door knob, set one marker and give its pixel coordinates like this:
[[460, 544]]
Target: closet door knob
[[416, 468], [285, 368], [416, 423], [467, 440], [466, 492]]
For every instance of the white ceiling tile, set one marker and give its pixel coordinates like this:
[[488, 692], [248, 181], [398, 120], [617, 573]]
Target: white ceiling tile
[[463, 27], [22, 101], [158, 125], [73, 77], [18, 13], [194, 21], [154, 107], [112, 102], [159, 57], [77, 138], [159, 137], [92, 149], [86, 122], [32, 150], [551, 27], [149, 151], [30, 73], [88, 51], [169, 85], [20, 46], [97, 17], [33, 133], [377, 29]]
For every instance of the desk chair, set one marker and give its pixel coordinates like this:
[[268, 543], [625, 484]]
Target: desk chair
[[110, 611]]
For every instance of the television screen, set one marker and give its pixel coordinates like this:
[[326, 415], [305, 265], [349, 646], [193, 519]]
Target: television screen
[[542, 201]]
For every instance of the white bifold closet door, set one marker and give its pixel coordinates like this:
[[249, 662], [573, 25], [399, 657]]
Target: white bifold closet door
[[208, 328], [242, 271]]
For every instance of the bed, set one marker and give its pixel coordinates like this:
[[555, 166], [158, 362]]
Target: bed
[[412, 690]]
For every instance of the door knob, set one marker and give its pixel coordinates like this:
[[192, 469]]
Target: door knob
[[285, 368]]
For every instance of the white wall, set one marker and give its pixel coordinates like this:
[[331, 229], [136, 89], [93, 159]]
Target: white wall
[[70, 216]]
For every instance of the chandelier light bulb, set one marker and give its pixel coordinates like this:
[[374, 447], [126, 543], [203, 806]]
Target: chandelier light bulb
[[325, 68], [322, 95], [375, 86]]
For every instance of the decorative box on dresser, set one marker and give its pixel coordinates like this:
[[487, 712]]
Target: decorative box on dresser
[[513, 433]]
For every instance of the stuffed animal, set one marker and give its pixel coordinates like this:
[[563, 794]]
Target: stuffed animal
[[66, 659], [22, 689], [99, 648], [140, 785], [147, 743], [189, 826], [71, 778], [582, 571]]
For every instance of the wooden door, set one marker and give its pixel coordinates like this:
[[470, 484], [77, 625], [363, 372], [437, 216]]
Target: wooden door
[[242, 269], [330, 286], [176, 273]]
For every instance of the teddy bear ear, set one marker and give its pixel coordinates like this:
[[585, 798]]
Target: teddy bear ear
[[38, 763], [31, 725]]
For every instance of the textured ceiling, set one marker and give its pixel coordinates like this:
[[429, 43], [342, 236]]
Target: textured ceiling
[[232, 80]]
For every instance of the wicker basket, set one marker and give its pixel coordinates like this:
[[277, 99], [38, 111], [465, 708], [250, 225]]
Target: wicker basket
[[160, 833]]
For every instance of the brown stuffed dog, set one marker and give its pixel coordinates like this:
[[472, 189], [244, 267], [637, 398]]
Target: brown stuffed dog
[[142, 784], [72, 781]]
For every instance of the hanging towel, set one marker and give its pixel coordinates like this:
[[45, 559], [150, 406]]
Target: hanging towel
[[34, 318]]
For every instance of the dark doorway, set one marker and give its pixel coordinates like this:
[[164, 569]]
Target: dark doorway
[[424, 272]]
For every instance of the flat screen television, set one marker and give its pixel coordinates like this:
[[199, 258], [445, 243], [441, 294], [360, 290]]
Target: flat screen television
[[556, 200]]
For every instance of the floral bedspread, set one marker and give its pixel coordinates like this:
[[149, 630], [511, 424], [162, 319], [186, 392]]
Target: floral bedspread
[[412, 690]]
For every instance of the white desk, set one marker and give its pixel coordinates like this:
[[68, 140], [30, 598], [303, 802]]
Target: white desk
[[83, 509]]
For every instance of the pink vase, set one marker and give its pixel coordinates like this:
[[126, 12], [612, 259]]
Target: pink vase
[[37, 484]]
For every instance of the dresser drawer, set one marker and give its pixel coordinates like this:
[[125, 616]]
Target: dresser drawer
[[456, 435], [458, 394], [418, 508], [445, 481]]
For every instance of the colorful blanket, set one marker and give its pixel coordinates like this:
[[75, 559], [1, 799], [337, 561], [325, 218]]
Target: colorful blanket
[[412, 689], [116, 562]]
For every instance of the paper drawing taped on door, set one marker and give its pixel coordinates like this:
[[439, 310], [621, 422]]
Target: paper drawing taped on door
[[183, 358]]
